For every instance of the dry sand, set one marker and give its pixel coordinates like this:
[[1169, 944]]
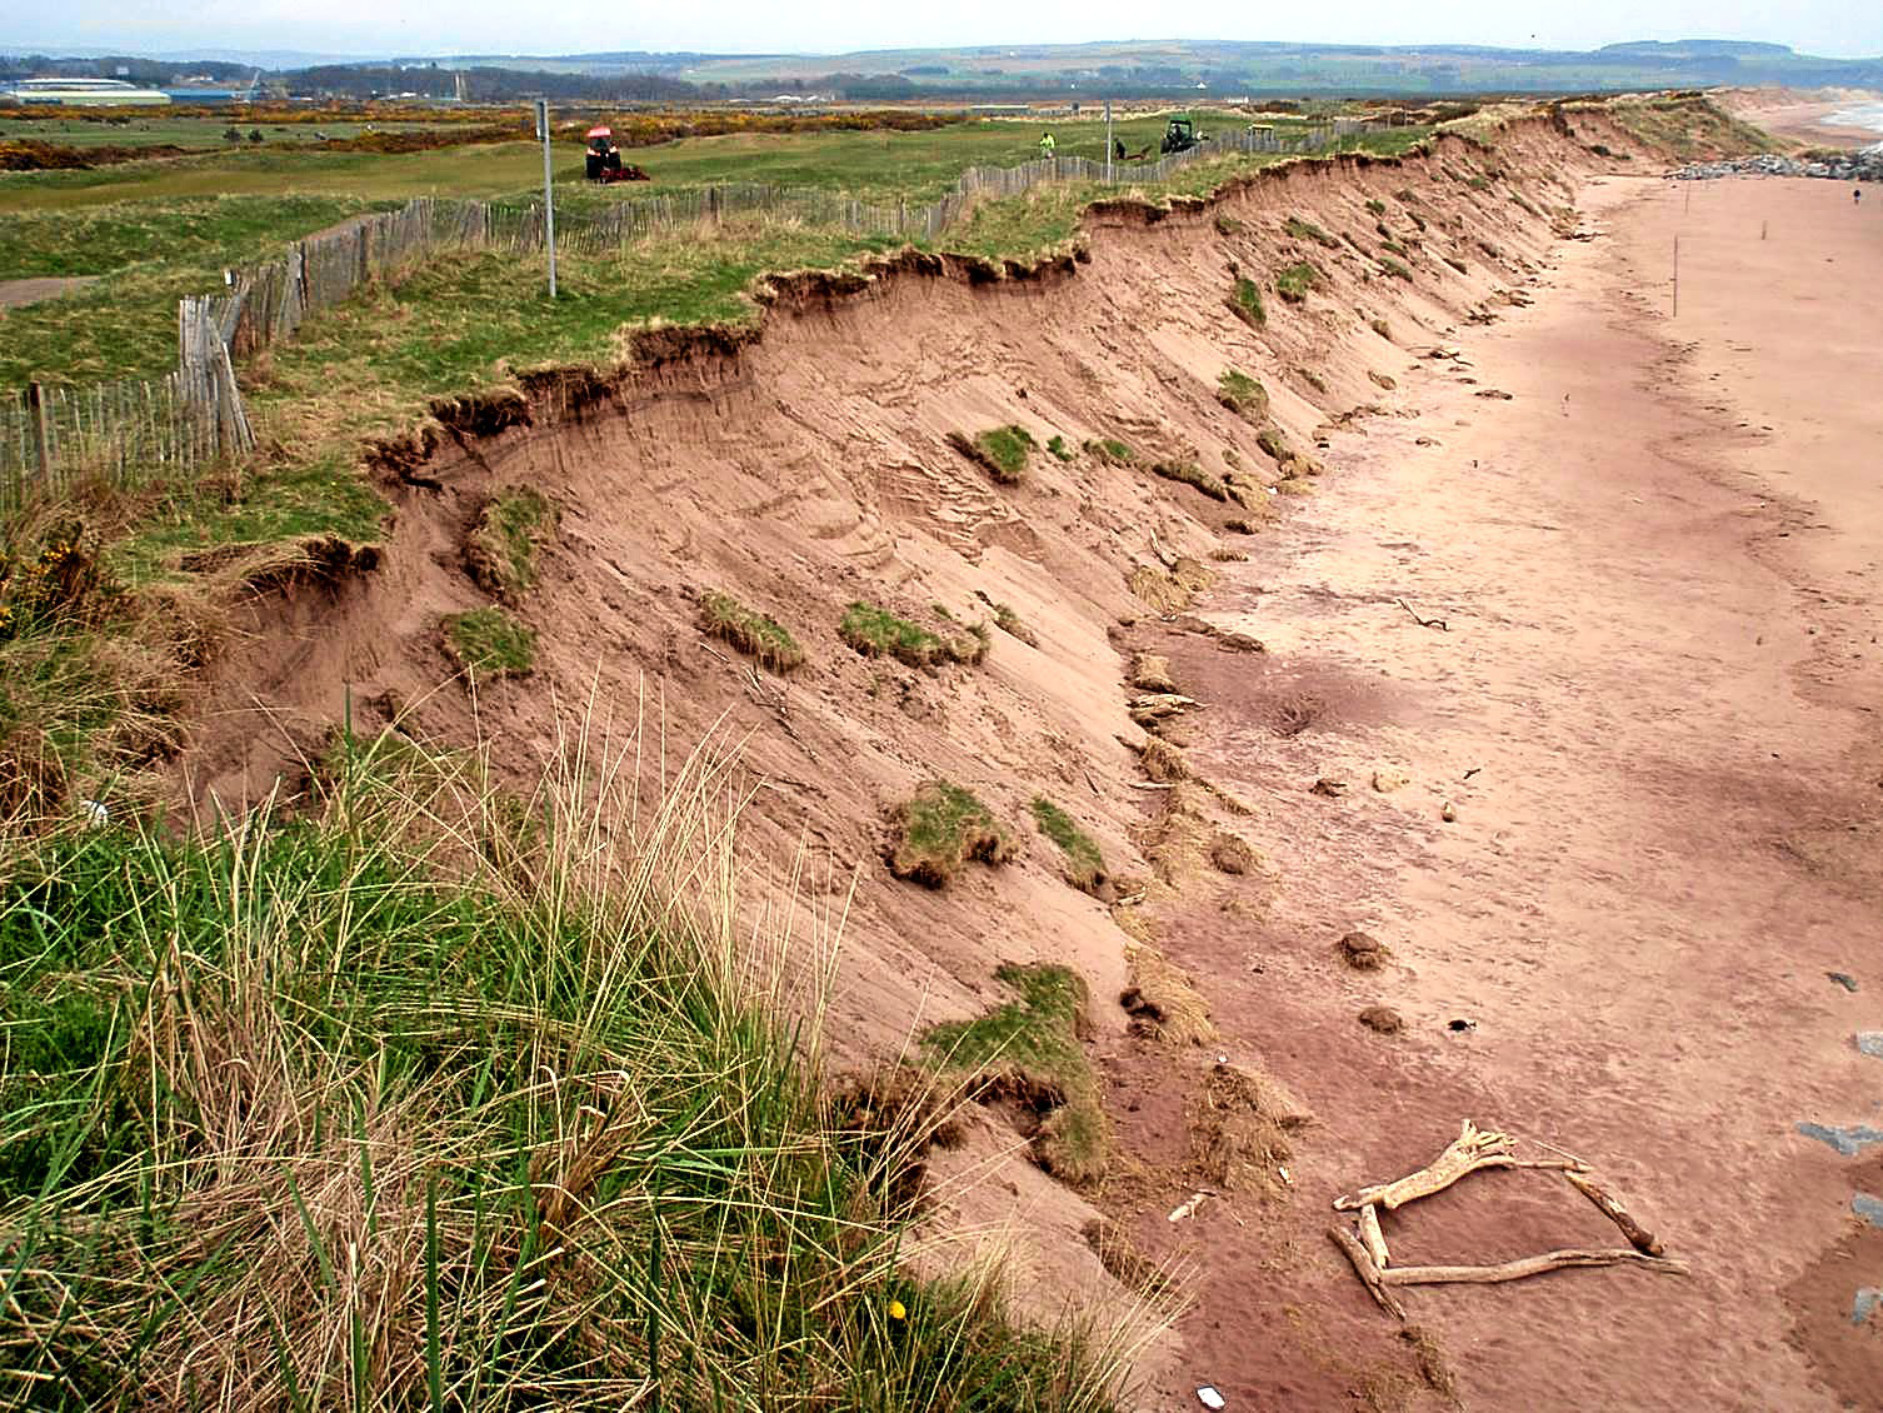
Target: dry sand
[[1654, 712]]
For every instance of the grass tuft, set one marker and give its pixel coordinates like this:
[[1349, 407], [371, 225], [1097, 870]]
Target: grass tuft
[[1394, 268], [489, 643], [1085, 863], [1111, 451], [1293, 283], [501, 551], [1246, 301], [1191, 474], [940, 831], [754, 634], [1001, 451], [876, 632], [1300, 229], [1027, 1052], [1059, 448], [1242, 394]]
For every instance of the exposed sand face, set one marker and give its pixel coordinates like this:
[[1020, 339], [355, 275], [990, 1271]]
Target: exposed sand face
[[1660, 569]]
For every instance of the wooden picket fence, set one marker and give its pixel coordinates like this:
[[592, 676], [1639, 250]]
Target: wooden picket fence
[[193, 417]]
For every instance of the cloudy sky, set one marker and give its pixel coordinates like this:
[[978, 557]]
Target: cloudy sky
[[1842, 28]]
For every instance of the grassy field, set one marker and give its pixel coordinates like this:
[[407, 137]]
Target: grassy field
[[372, 366], [196, 134]]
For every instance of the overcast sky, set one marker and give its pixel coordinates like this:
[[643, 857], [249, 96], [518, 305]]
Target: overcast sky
[[1842, 28]]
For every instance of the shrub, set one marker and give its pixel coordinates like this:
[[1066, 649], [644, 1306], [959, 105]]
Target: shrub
[[1376, 206], [1060, 451], [754, 634], [1394, 268], [1242, 395], [1085, 862], [1293, 283], [1247, 303], [940, 831], [488, 642], [1111, 451]]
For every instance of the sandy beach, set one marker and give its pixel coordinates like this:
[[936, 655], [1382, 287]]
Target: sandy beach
[[1814, 122], [1652, 714]]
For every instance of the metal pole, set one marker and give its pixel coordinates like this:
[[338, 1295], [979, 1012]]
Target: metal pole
[[1108, 146], [1676, 277], [549, 193]]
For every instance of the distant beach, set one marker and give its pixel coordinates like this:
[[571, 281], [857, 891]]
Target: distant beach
[[1861, 115]]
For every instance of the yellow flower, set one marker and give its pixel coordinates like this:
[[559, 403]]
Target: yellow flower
[[896, 1311]]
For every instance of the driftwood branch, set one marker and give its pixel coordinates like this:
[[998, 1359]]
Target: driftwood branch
[[1528, 1266], [1373, 1238], [1422, 621], [1472, 1150], [1370, 1274], [1639, 1237]]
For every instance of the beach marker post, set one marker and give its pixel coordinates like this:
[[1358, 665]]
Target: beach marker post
[[1676, 277]]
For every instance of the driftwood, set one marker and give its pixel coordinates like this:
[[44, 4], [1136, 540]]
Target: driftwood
[[1639, 1237], [1528, 1266], [1373, 1238], [1472, 1151], [1368, 1272], [1424, 622]]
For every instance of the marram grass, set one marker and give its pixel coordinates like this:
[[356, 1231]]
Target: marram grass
[[441, 1098]]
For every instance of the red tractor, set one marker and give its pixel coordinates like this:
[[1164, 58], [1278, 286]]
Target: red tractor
[[603, 159]]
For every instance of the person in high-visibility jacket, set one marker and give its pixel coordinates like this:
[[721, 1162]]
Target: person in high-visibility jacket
[[1046, 146]]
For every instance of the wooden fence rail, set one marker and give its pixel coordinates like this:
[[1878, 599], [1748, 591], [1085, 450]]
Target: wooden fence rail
[[193, 417]]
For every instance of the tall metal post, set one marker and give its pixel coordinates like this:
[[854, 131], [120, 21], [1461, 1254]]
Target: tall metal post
[[1108, 146], [549, 193]]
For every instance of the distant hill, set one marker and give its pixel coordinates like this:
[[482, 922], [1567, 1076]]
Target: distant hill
[[1116, 69]]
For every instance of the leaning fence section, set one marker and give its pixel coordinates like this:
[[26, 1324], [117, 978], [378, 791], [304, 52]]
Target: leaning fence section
[[195, 416]]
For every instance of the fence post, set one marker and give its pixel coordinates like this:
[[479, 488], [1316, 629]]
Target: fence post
[[42, 450]]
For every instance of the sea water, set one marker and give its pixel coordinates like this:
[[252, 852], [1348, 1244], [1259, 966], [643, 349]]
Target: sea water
[[1861, 115]]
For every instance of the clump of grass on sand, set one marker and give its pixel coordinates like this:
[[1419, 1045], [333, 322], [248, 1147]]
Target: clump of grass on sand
[[876, 632], [1009, 621], [1242, 394], [500, 553], [754, 634], [1085, 862], [1246, 302], [1294, 282], [940, 831], [335, 1110], [1059, 448], [489, 643], [1028, 1051], [1111, 451], [1300, 229], [1394, 268], [1191, 474], [1001, 451]]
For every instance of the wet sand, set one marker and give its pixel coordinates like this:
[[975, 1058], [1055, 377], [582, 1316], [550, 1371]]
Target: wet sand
[[1654, 716]]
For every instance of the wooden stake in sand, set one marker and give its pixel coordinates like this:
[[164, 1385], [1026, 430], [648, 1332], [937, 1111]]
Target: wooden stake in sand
[[1472, 1151]]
